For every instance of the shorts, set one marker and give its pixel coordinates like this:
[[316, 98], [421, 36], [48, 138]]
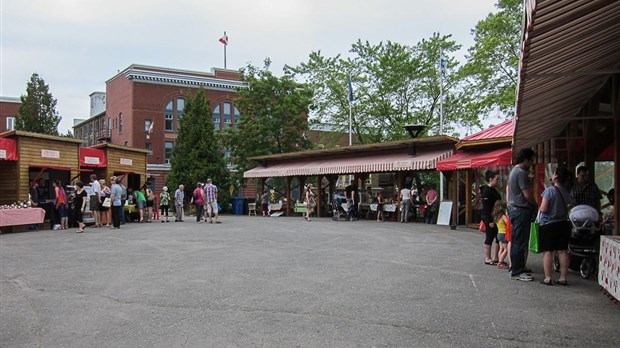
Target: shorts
[[93, 202], [554, 236], [149, 204], [141, 204], [211, 207], [502, 238]]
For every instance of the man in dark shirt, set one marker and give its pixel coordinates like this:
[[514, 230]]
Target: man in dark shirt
[[351, 192], [34, 201], [586, 192]]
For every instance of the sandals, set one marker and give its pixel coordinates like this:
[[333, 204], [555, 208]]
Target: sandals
[[502, 265], [546, 282], [79, 231], [560, 282], [490, 263]]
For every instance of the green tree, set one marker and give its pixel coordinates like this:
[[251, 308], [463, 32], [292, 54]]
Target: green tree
[[493, 60], [198, 154], [38, 110], [273, 117], [394, 85]]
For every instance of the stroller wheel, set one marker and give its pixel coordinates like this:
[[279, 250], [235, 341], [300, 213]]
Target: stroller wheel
[[586, 268], [556, 263]]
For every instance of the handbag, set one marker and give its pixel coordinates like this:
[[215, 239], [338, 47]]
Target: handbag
[[534, 233], [482, 227], [508, 230], [107, 202]]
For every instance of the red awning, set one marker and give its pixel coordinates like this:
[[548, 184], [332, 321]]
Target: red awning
[[8, 150], [383, 163], [90, 157], [477, 159]]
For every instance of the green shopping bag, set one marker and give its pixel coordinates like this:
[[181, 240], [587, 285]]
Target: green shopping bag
[[534, 233]]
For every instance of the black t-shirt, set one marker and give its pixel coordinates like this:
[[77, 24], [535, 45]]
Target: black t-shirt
[[34, 195], [77, 200], [489, 197], [348, 190]]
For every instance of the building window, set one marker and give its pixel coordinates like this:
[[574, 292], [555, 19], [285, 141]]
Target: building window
[[226, 113], [180, 107], [168, 145], [10, 123], [147, 126], [169, 117], [109, 127], [148, 146], [120, 123]]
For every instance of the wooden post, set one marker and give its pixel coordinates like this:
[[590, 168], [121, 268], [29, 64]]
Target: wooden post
[[468, 207], [288, 196]]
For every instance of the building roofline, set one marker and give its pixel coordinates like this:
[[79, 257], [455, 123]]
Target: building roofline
[[10, 99], [40, 136], [120, 147], [89, 119], [210, 74]]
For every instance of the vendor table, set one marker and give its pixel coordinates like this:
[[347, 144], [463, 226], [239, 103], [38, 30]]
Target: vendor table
[[609, 265], [25, 216]]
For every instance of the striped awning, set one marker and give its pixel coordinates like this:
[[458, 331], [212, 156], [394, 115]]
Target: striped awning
[[383, 163]]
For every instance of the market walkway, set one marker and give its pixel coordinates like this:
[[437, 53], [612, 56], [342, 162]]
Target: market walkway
[[283, 282]]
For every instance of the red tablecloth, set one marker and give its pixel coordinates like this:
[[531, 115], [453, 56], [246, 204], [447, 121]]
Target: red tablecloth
[[14, 217]]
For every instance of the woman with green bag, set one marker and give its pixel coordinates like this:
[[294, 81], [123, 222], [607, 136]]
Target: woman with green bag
[[554, 225]]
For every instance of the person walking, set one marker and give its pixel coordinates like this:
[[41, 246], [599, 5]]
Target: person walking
[[521, 208], [489, 196], [164, 203], [106, 212], [380, 201], [198, 198], [141, 204], [432, 205], [95, 200], [264, 203], [79, 205], [61, 205], [211, 201], [405, 200], [555, 228], [310, 201], [116, 192], [179, 196]]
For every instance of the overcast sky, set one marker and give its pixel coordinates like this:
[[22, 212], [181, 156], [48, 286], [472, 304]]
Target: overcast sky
[[76, 45]]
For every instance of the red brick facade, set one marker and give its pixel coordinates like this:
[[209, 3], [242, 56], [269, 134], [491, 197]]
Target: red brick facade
[[8, 109]]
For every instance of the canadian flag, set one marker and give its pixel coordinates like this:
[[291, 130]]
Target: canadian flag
[[224, 39]]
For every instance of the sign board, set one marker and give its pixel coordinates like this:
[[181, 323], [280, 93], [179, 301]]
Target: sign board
[[2, 153], [91, 160], [403, 164], [50, 153], [445, 212], [127, 161]]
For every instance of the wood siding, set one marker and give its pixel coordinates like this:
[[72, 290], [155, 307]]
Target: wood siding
[[29, 150], [8, 177], [114, 163]]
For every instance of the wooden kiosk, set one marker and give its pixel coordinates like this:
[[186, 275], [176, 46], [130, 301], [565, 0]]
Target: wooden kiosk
[[40, 157], [124, 161]]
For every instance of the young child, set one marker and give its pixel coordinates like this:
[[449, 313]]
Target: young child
[[501, 221]]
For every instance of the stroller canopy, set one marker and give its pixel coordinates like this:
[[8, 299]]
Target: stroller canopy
[[583, 213]]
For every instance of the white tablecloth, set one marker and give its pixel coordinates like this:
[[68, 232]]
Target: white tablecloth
[[609, 265]]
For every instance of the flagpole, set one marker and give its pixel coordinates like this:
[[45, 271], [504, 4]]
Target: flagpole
[[441, 72], [350, 97], [226, 44]]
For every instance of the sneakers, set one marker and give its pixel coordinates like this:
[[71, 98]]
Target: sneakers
[[522, 277]]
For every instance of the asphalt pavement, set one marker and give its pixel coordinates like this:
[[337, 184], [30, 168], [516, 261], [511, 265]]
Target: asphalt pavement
[[284, 282]]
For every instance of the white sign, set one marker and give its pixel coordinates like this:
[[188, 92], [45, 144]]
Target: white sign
[[50, 153], [126, 161], [91, 160], [403, 164], [445, 212], [2, 153]]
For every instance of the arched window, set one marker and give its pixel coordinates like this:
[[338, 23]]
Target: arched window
[[174, 110], [226, 114]]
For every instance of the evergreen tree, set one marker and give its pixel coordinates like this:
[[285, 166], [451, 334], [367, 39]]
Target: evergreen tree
[[38, 110], [197, 154]]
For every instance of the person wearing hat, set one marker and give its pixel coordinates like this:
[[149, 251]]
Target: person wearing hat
[[310, 201], [164, 203]]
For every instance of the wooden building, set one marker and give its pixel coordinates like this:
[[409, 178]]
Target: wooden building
[[124, 161], [35, 157]]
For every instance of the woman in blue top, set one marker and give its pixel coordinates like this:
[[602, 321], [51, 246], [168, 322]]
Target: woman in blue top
[[554, 225]]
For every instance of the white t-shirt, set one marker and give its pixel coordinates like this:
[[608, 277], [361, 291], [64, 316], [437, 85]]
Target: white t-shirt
[[406, 194], [96, 187]]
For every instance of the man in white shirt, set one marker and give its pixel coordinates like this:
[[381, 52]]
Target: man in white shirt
[[95, 199], [405, 199]]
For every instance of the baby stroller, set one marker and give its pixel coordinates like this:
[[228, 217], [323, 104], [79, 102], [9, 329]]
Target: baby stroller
[[338, 210], [583, 245]]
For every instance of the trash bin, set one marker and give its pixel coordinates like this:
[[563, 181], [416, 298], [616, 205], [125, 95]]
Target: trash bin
[[237, 205]]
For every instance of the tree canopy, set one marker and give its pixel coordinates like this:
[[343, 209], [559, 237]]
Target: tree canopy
[[393, 85], [37, 112], [198, 154], [273, 116], [493, 61]]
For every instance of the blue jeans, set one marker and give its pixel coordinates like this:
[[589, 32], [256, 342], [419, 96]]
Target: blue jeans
[[520, 220]]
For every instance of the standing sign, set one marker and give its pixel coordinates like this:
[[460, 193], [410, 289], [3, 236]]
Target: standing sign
[[445, 211]]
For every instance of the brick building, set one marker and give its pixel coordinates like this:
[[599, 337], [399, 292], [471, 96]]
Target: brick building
[[143, 105], [8, 111]]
